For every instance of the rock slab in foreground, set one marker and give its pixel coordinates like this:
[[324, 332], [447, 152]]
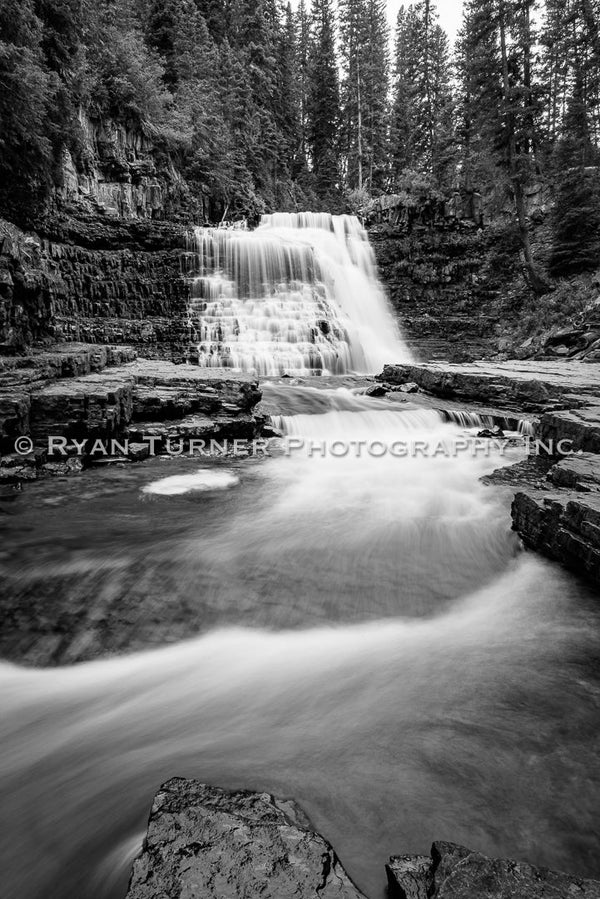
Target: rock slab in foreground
[[454, 872], [210, 843]]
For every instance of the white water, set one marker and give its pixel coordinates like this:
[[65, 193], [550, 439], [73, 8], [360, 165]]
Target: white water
[[202, 480], [373, 644], [300, 294]]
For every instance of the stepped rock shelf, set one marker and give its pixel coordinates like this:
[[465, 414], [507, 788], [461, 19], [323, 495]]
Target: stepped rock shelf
[[557, 512], [206, 842], [103, 393]]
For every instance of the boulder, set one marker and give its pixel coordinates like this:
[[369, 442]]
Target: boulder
[[455, 872], [210, 843]]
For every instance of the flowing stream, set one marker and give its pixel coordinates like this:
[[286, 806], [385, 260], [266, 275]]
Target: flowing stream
[[370, 639]]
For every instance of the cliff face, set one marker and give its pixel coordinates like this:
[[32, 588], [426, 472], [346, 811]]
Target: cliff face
[[99, 280], [431, 258], [104, 264], [120, 172]]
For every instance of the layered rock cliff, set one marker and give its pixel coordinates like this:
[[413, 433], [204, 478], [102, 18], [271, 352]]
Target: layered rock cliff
[[431, 254], [96, 280], [103, 263]]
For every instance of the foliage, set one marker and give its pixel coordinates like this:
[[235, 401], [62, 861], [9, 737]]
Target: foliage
[[260, 106]]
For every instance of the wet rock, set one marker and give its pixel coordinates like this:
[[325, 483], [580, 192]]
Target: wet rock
[[206, 842], [269, 431], [96, 279], [409, 876], [14, 415], [562, 525], [61, 469], [455, 872], [492, 433], [376, 390], [137, 452]]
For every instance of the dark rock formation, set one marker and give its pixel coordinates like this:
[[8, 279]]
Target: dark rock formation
[[430, 260], [454, 872], [564, 526], [206, 842]]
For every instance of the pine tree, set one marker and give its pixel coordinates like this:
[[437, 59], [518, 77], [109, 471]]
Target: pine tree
[[402, 127], [375, 93], [576, 217], [323, 102], [365, 59], [422, 128], [499, 104], [302, 25]]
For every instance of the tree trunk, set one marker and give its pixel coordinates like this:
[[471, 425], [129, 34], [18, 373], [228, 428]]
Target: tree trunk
[[360, 135]]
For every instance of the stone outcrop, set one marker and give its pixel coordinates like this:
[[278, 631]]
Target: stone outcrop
[[562, 520], [526, 385], [206, 842], [454, 872]]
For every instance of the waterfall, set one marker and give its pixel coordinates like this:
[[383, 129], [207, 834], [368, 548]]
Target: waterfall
[[300, 294]]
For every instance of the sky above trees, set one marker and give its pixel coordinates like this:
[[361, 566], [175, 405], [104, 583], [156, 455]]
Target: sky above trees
[[450, 13]]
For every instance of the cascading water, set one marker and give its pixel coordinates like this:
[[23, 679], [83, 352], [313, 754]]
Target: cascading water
[[358, 632], [300, 294]]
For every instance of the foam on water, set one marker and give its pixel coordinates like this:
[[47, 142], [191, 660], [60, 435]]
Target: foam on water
[[202, 480]]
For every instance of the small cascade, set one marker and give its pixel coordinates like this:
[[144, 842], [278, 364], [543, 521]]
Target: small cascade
[[480, 420], [526, 427], [468, 419], [300, 294], [340, 413]]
